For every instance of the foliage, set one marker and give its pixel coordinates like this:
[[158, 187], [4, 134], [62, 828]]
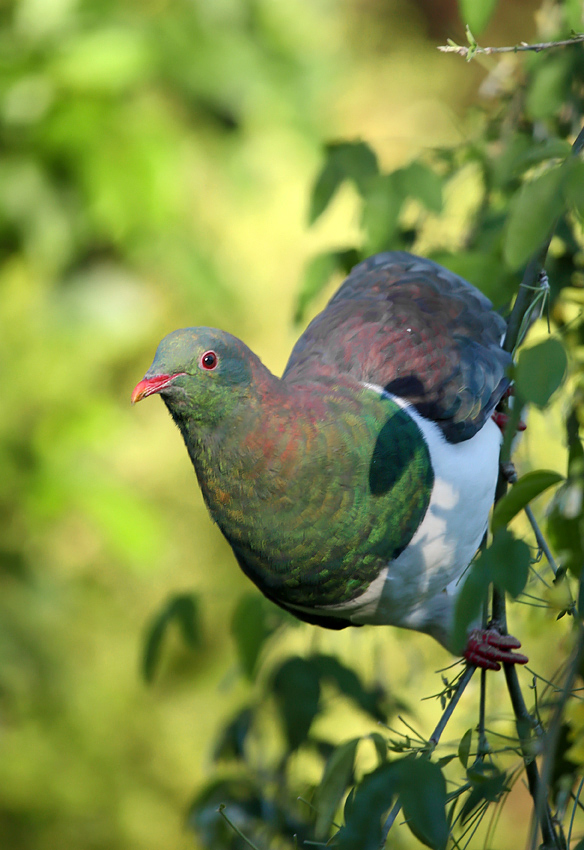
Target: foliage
[[137, 150], [529, 186]]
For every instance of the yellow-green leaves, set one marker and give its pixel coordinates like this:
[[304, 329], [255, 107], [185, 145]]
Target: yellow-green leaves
[[527, 488], [540, 371], [476, 13]]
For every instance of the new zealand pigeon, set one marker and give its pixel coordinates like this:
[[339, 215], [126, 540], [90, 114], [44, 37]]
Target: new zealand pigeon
[[356, 488]]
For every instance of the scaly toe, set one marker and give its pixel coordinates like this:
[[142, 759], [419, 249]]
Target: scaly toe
[[488, 648]]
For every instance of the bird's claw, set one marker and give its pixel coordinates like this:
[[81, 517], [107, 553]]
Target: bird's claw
[[488, 648], [501, 419]]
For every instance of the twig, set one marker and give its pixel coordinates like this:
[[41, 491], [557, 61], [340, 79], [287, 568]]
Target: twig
[[541, 541], [433, 741], [524, 720], [236, 829], [553, 732], [522, 47]]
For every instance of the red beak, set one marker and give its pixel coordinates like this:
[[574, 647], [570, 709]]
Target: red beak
[[149, 386]]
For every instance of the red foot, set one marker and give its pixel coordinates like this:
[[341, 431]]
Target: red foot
[[488, 648], [501, 420]]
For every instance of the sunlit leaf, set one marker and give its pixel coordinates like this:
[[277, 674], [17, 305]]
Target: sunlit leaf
[[381, 208], [549, 86], [532, 215], [521, 494], [476, 13], [343, 160], [418, 181], [540, 371]]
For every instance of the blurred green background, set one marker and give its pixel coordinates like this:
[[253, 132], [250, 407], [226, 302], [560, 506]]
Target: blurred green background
[[156, 164]]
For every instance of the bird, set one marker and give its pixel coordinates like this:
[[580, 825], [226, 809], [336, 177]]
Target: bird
[[356, 488]]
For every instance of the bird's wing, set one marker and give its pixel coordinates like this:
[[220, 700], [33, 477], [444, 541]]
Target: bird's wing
[[419, 331]]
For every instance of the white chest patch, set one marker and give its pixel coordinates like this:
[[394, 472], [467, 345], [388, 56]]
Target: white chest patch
[[418, 589]]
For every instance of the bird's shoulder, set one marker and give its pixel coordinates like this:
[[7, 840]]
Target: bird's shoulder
[[416, 330]]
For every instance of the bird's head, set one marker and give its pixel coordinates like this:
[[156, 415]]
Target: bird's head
[[202, 374]]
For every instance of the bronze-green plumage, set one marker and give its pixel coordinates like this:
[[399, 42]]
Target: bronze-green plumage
[[356, 488]]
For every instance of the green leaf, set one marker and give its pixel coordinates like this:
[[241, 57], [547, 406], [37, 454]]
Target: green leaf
[[252, 624], [532, 215], [521, 494], [549, 86], [364, 808], [470, 600], [508, 562], [420, 182], [464, 747], [344, 160], [476, 13], [337, 775], [296, 687], [348, 682], [488, 783], [380, 746], [182, 609], [540, 371], [231, 742], [422, 791], [382, 205], [317, 274]]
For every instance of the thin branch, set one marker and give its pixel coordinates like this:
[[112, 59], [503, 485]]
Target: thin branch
[[434, 739], [473, 49], [235, 828], [552, 735], [541, 541]]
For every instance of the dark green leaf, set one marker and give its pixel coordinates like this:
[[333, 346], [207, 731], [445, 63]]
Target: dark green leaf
[[364, 808], [532, 215], [488, 783], [565, 526], [344, 160], [521, 494], [348, 682], [464, 747], [476, 13], [508, 561], [327, 183], [380, 745], [422, 791], [254, 620], [231, 742], [183, 610], [540, 371], [296, 686], [470, 601], [337, 775]]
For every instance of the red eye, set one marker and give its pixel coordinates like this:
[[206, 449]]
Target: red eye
[[209, 360]]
